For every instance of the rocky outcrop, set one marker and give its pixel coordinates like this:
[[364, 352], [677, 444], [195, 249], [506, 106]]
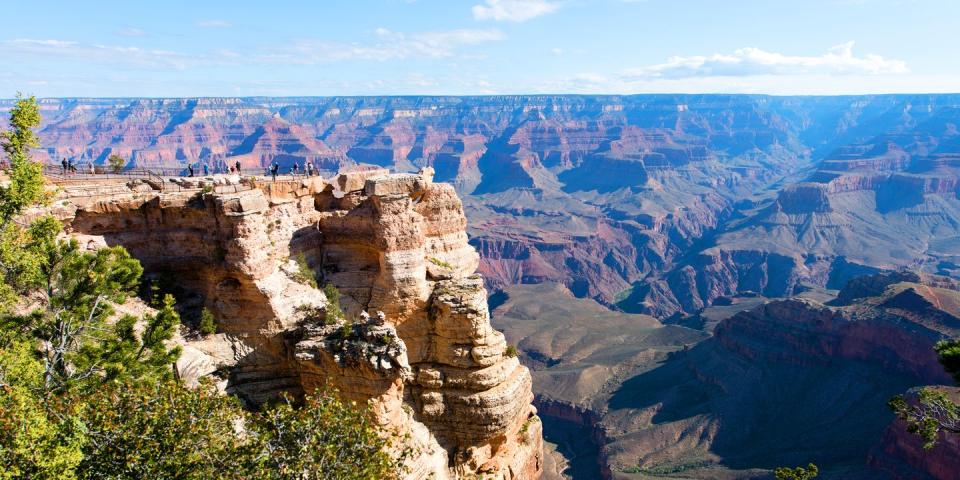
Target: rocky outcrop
[[901, 454], [395, 246]]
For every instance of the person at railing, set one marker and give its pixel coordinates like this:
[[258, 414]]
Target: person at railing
[[274, 169], [238, 167], [309, 169], [90, 168], [190, 169], [295, 169], [206, 170], [63, 163]]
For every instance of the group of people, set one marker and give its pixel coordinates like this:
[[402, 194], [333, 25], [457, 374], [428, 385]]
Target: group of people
[[233, 169], [309, 169], [68, 166]]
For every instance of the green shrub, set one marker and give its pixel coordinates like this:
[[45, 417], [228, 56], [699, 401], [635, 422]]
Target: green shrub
[[208, 324], [116, 163], [440, 263], [511, 351], [798, 473], [334, 312], [304, 274]]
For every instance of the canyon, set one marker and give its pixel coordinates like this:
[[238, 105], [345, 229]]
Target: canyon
[[620, 198], [698, 286]]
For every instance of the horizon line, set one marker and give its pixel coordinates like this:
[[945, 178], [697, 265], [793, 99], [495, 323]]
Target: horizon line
[[491, 95]]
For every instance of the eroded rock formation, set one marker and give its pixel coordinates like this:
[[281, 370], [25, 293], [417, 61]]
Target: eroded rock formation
[[394, 245]]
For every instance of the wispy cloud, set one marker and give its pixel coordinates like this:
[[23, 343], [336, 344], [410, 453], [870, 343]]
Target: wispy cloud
[[96, 53], [384, 45], [214, 24], [839, 60], [130, 32], [389, 45], [513, 10]]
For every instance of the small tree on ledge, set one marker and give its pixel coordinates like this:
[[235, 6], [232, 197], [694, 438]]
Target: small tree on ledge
[[116, 163]]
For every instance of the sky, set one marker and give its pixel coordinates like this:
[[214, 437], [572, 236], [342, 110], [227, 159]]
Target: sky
[[174, 48]]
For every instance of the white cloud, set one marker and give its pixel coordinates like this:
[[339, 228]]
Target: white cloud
[[384, 46], [97, 53], [131, 32], [214, 24], [389, 45], [751, 61], [513, 10]]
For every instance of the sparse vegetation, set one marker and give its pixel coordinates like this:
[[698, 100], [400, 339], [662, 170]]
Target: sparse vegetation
[[668, 470], [525, 428], [304, 274], [334, 312], [511, 351], [440, 263], [346, 330], [933, 411], [208, 324], [116, 163], [313, 315], [796, 473]]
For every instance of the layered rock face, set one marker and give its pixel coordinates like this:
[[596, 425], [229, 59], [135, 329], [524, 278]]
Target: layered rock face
[[886, 204], [782, 383], [395, 246], [603, 194]]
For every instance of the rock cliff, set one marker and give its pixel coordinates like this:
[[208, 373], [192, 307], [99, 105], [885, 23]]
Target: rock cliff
[[425, 356]]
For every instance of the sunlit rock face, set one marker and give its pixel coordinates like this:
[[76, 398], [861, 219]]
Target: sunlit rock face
[[419, 345]]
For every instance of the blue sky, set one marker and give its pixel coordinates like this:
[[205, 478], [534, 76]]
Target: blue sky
[[378, 47]]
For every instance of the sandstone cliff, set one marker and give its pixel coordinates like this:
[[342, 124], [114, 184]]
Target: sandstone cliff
[[425, 357]]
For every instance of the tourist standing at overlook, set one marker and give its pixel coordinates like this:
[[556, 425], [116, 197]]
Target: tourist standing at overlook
[[238, 167]]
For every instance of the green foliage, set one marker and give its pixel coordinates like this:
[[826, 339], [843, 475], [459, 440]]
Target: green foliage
[[525, 428], [81, 288], [116, 163], [797, 473], [933, 411], [39, 438], [163, 431], [948, 352], [511, 351], [440, 263], [326, 438], [305, 274], [346, 330], [208, 324], [22, 252], [312, 315], [334, 312], [26, 187]]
